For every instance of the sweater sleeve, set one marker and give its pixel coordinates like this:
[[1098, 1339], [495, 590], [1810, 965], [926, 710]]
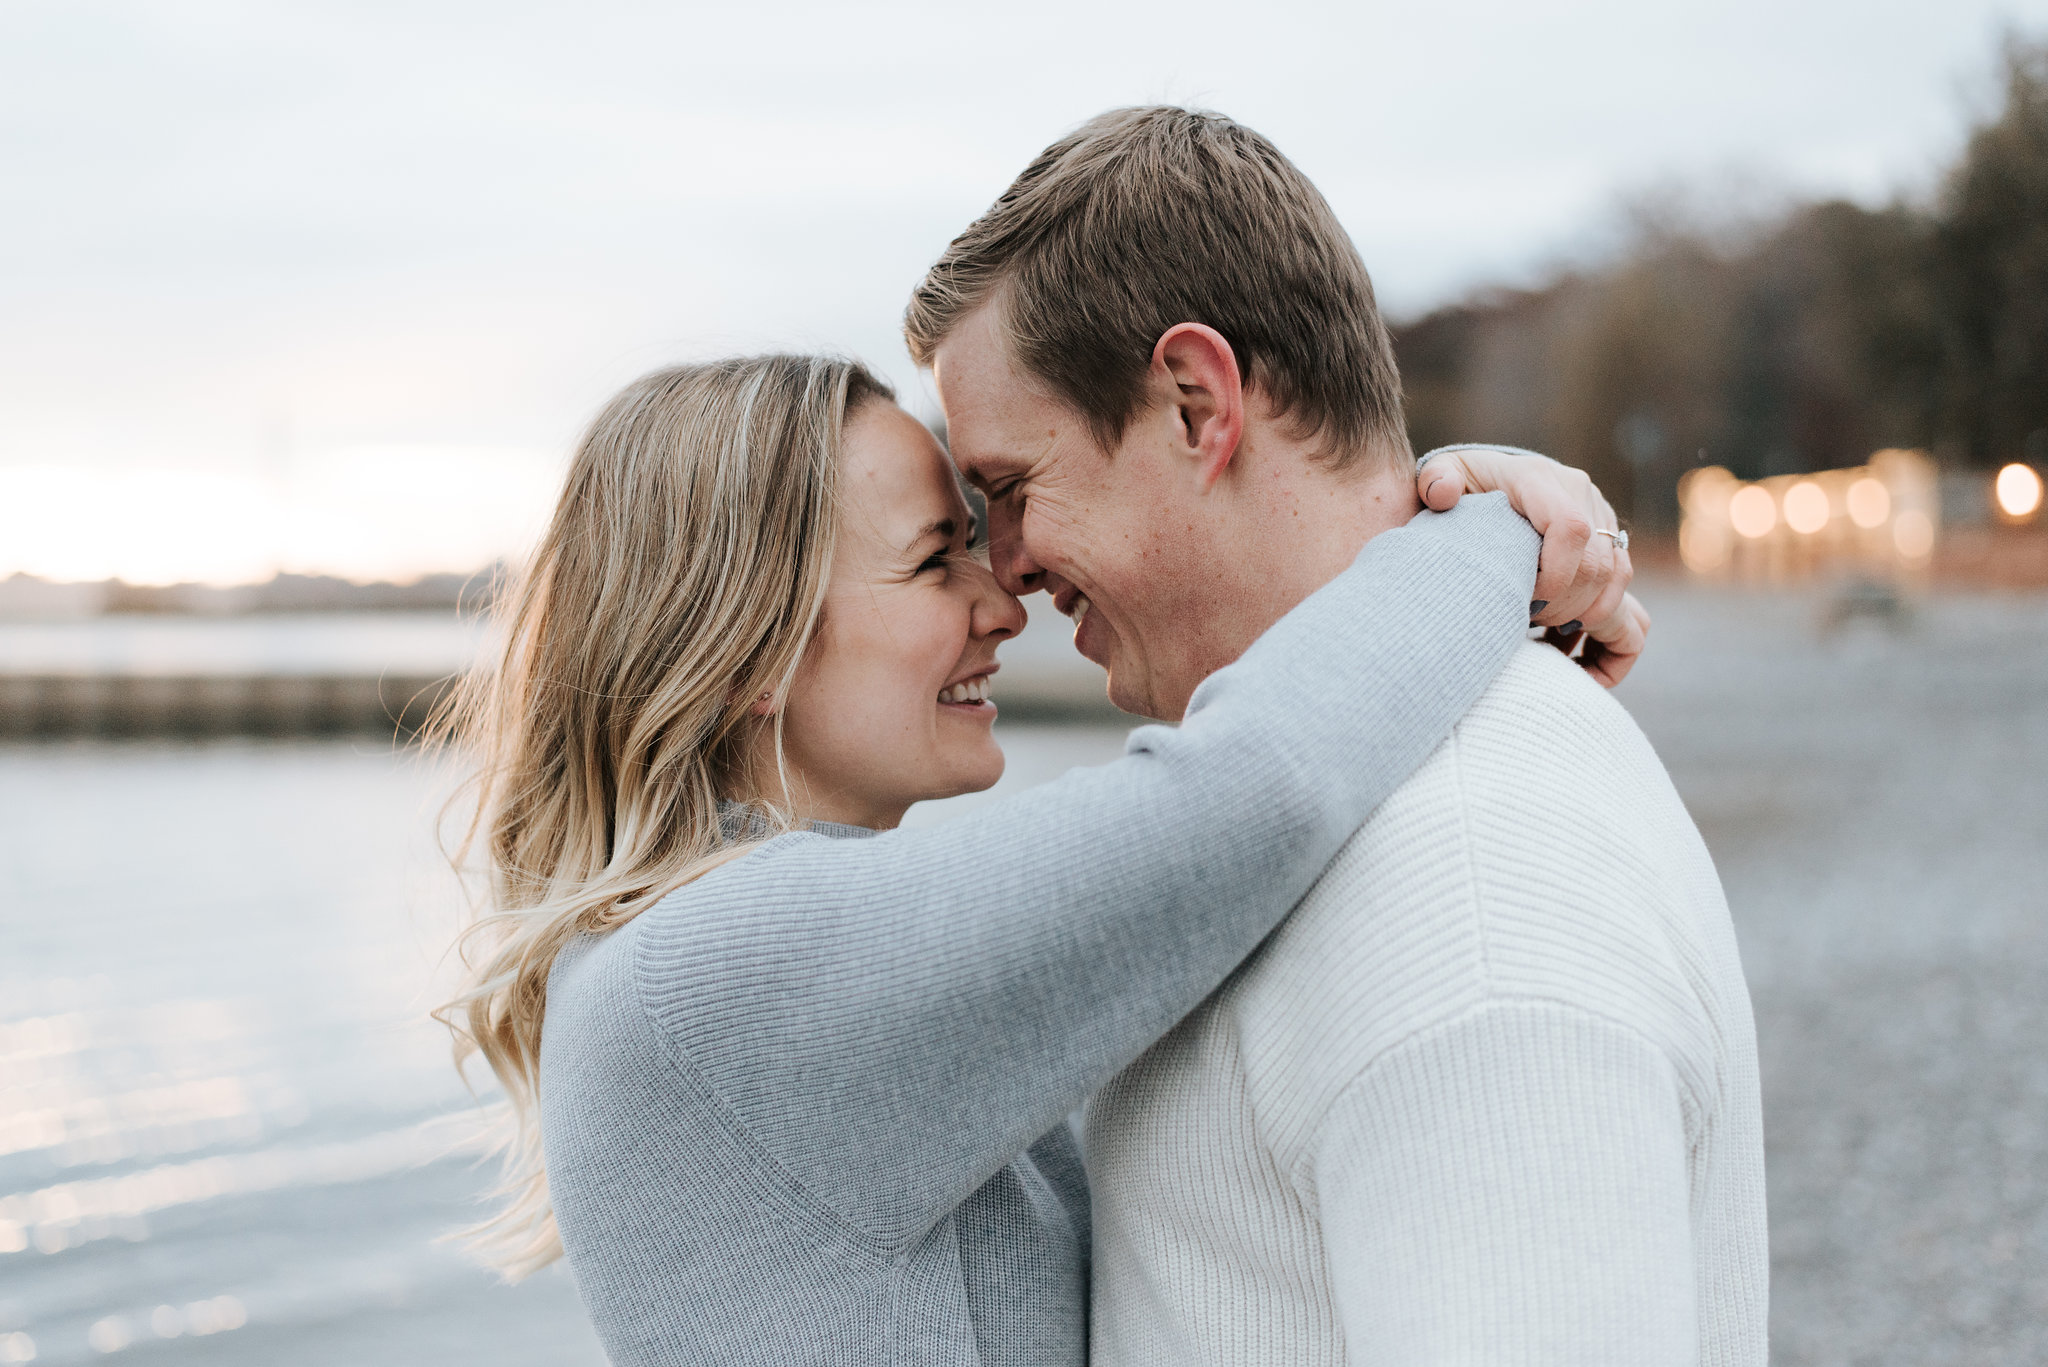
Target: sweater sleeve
[[891, 1020], [1511, 1188]]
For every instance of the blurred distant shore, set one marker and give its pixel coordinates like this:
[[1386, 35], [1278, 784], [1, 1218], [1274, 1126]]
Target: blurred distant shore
[[25, 597], [310, 656], [307, 656]]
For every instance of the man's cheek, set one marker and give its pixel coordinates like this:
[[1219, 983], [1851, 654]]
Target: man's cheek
[[1055, 525]]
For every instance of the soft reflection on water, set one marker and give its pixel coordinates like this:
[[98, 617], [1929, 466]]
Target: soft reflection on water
[[227, 1131]]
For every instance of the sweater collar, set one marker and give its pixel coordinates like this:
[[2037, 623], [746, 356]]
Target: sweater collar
[[744, 821]]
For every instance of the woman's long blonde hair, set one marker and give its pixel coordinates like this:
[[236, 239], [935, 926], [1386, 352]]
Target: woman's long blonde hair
[[679, 580]]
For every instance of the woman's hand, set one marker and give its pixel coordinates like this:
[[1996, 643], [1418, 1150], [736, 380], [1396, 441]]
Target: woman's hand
[[1582, 578]]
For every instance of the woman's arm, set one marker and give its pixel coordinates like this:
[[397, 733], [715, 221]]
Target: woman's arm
[[893, 1019]]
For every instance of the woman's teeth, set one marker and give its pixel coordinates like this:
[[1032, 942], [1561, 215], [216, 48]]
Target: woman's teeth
[[971, 690], [1078, 610]]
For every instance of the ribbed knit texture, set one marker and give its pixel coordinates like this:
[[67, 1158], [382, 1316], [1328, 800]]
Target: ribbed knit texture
[[811, 1107], [1489, 1096]]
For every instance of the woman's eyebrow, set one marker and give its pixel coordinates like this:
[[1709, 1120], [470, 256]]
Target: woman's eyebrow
[[944, 528]]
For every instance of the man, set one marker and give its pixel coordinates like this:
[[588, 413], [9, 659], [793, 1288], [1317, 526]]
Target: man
[[1490, 1094]]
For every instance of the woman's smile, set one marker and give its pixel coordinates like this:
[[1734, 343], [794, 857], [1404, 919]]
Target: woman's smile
[[970, 695]]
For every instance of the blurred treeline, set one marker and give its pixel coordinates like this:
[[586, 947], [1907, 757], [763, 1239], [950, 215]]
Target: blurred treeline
[[1802, 342]]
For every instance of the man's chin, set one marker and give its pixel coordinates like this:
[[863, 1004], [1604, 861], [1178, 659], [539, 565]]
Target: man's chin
[[1128, 690], [1134, 700]]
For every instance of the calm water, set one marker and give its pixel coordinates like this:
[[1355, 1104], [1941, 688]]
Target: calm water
[[228, 1134]]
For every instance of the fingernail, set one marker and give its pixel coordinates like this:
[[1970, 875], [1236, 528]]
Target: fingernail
[[1569, 627], [1538, 606]]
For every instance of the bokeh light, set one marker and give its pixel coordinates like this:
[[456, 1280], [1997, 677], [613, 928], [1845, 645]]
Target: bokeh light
[[1702, 546], [1753, 511], [2019, 491], [1806, 507], [1913, 534], [1870, 503]]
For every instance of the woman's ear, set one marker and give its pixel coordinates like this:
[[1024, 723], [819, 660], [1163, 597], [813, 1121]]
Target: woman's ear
[[763, 706], [1209, 395]]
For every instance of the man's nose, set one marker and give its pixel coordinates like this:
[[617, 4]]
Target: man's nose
[[1008, 557]]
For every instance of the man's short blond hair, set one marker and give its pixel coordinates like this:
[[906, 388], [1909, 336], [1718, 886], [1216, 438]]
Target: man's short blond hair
[[1144, 218]]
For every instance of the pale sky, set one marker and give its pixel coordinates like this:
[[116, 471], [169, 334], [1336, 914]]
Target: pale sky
[[278, 256]]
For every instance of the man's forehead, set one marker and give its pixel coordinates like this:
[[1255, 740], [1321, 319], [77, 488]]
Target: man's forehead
[[979, 375], [996, 418]]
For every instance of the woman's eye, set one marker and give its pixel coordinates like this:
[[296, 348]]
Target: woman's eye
[[936, 561]]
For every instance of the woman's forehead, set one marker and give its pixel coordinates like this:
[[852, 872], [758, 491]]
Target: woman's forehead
[[896, 481]]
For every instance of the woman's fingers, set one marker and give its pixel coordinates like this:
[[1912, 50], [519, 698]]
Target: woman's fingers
[[1579, 600], [1561, 567], [1604, 608], [1580, 575], [1441, 483], [1614, 646]]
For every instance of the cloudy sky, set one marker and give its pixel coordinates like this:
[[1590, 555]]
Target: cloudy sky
[[297, 254]]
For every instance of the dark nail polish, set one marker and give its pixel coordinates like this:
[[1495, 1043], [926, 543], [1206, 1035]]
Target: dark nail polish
[[1569, 627], [1538, 606]]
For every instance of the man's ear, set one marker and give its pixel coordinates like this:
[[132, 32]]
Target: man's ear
[[1209, 395]]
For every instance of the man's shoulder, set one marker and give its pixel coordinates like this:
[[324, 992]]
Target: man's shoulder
[[1545, 713], [1544, 741], [1539, 853], [1560, 791]]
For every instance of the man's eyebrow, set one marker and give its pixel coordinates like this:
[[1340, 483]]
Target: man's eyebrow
[[1004, 467]]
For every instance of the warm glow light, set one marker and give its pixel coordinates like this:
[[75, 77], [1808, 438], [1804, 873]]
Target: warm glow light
[[1870, 503], [144, 526], [1702, 547], [1806, 507], [2019, 490], [1913, 534], [1704, 492], [1753, 511], [365, 513]]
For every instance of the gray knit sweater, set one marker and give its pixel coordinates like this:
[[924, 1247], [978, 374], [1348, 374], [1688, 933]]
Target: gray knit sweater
[[810, 1108]]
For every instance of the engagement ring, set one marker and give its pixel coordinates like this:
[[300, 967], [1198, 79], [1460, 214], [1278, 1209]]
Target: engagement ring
[[1620, 539]]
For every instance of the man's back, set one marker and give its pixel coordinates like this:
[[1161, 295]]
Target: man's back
[[1490, 1094]]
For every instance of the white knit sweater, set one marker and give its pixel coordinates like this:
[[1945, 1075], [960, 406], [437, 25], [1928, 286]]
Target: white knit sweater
[[1489, 1096]]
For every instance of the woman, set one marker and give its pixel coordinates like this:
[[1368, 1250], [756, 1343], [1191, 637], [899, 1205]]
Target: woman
[[801, 1090]]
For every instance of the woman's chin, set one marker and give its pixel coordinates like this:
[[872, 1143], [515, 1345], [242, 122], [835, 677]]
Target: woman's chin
[[974, 774]]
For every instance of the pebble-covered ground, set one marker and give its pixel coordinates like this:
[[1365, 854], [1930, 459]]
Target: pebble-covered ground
[[1877, 800]]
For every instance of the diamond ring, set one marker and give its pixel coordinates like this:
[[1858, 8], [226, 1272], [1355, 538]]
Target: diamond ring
[[1620, 539]]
